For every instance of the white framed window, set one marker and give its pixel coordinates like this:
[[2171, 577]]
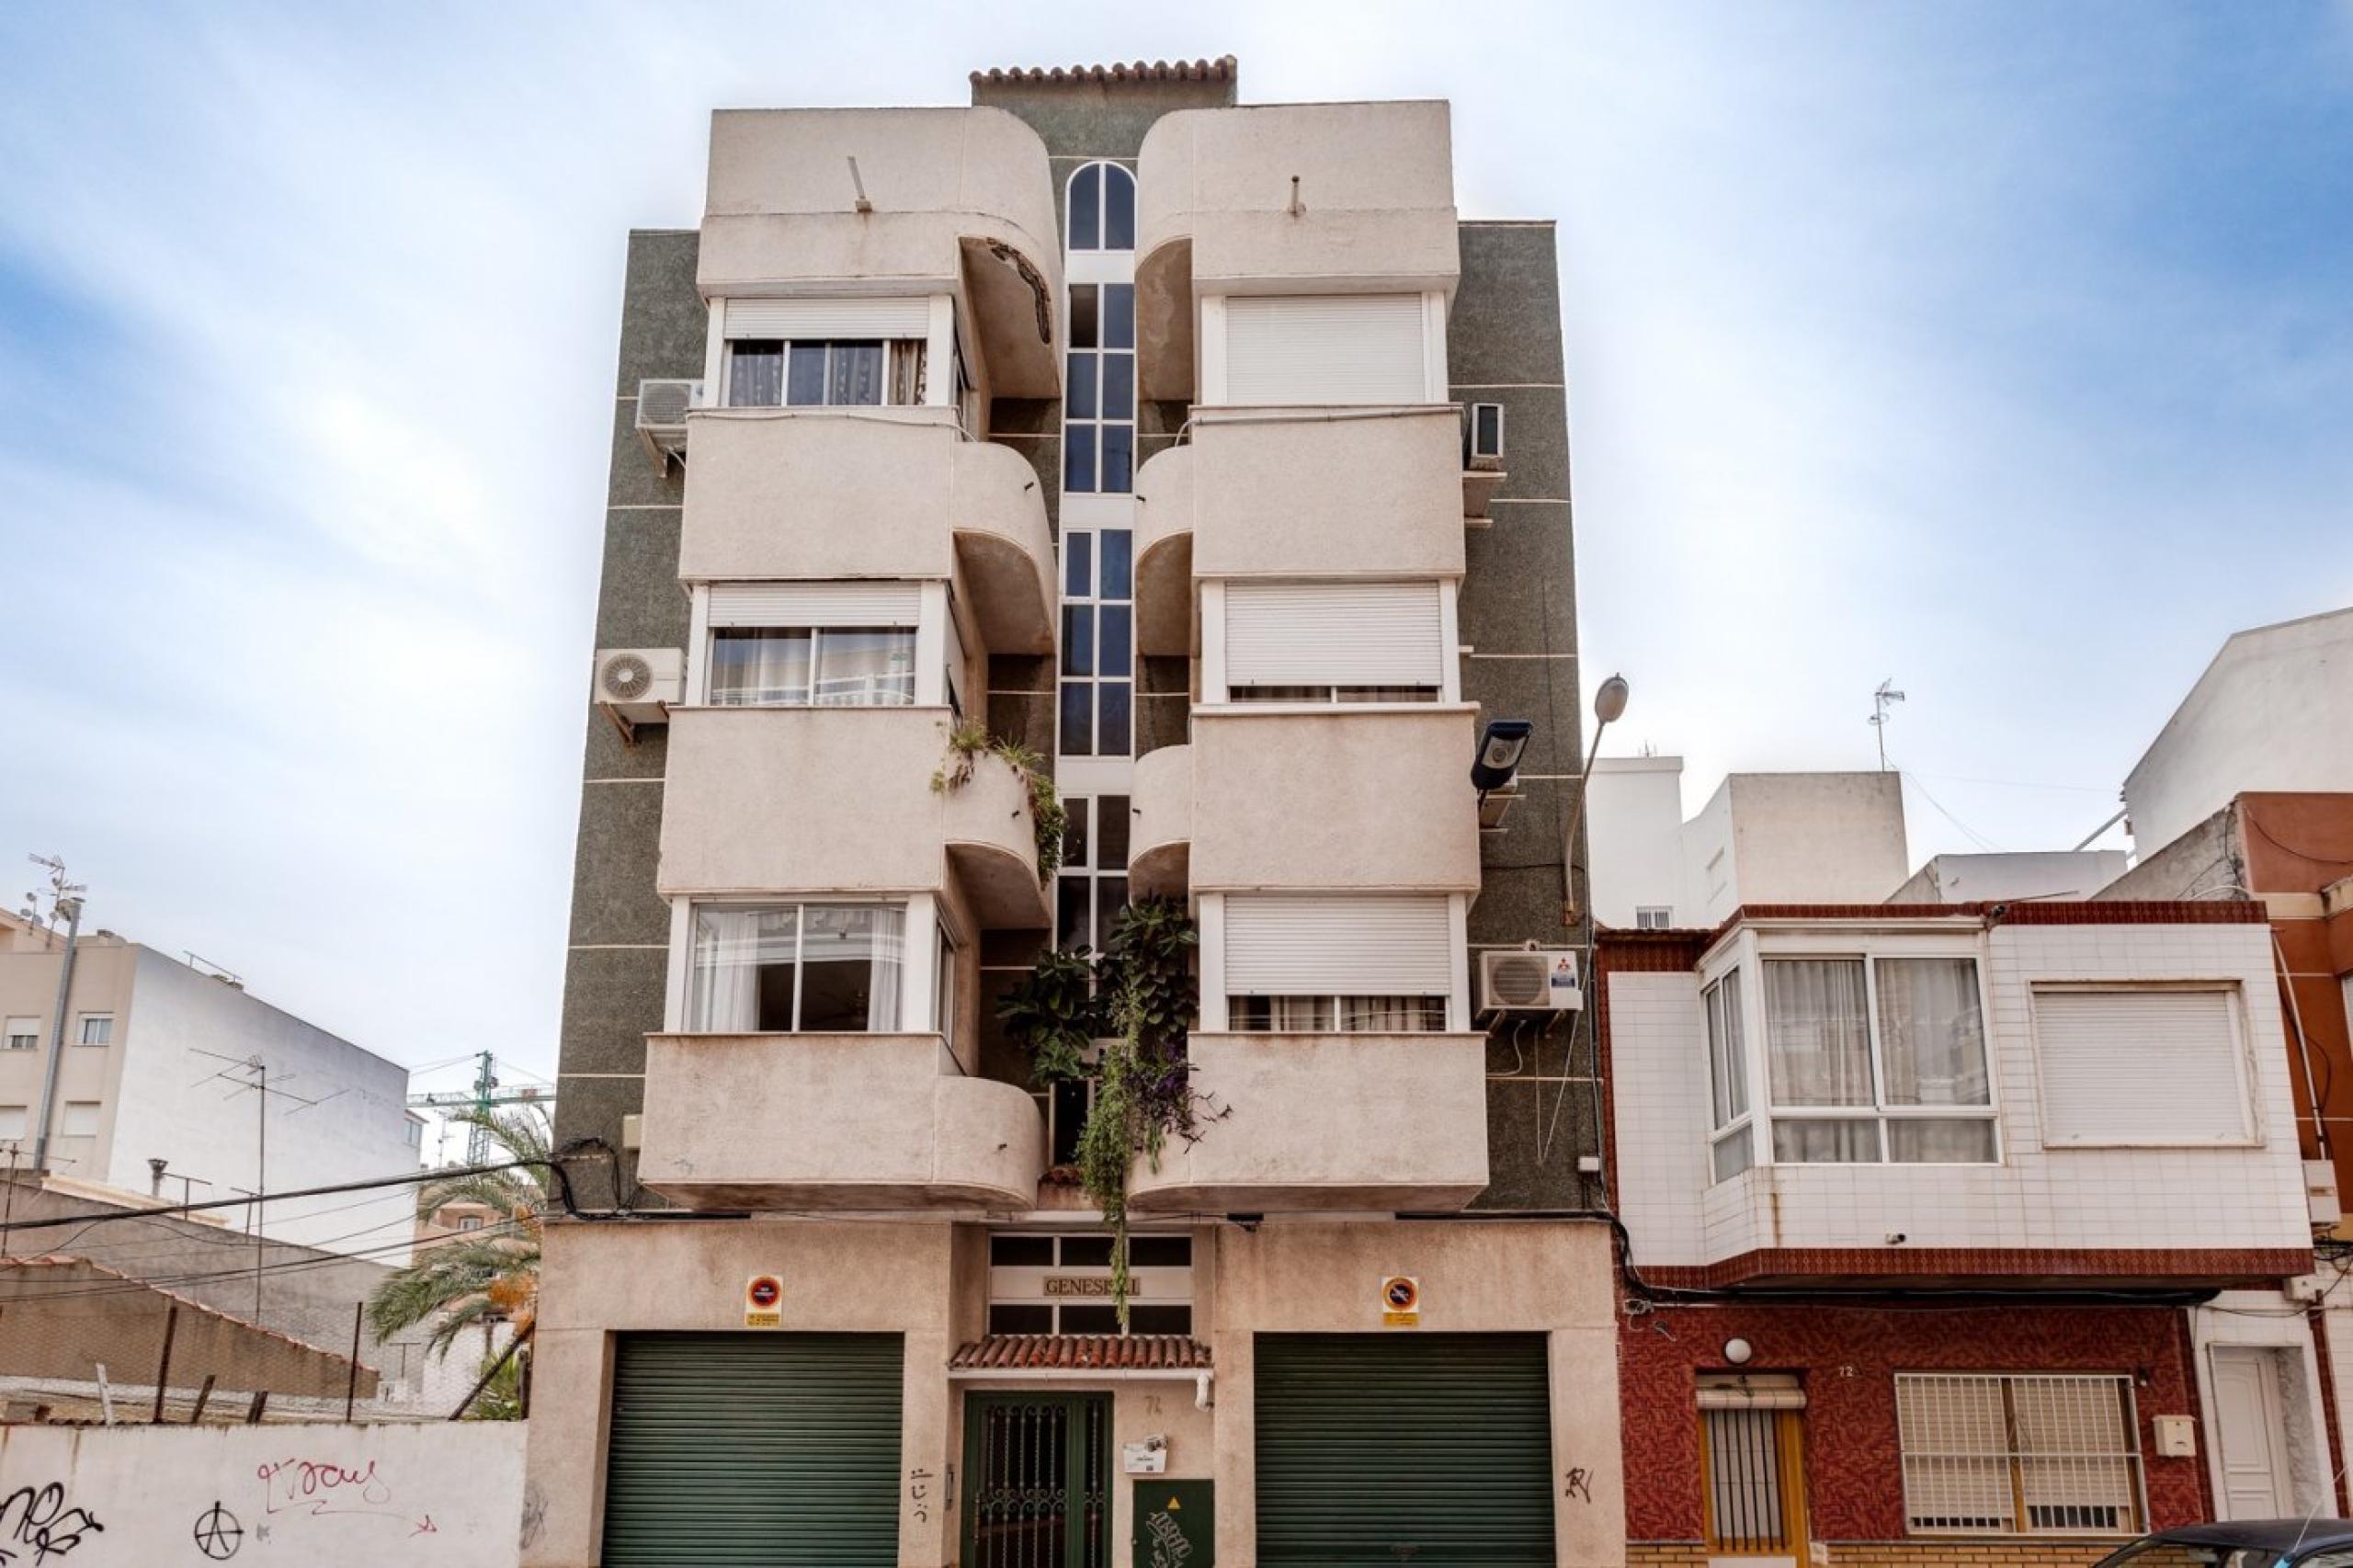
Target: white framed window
[[828, 667], [1482, 434], [1329, 641], [95, 1029], [1101, 207], [416, 1132], [22, 1034], [470, 1222], [80, 1121], [2145, 1064], [1992, 1453], [1317, 962], [1732, 1148], [774, 372], [1062, 1283], [1096, 716], [1877, 1058], [794, 967], [1654, 917], [1099, 391], [14, 1127], [943, 984], [1093, 886]]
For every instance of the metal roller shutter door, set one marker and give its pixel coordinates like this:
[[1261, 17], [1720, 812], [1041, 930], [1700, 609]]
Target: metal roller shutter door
[[858, 317], [1324, 349], [775, 1449], [1379, 1449], [1333, 634]]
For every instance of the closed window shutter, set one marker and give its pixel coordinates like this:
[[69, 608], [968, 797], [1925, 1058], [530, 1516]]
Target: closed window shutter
[[2139, 1067], [1333, 634], [842, 318], [1319, 945], [814, 604], [1309, 348]]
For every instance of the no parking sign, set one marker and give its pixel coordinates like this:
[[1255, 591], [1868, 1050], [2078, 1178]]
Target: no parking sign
[[763, 1302], [1400, 1302]]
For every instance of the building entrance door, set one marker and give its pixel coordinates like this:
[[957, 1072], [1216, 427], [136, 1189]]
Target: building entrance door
[[1037, 1480], [2253, 1441], [1753, 1455]]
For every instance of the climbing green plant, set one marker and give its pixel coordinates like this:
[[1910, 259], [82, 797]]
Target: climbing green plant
[[967, 744], [1140, 1005]]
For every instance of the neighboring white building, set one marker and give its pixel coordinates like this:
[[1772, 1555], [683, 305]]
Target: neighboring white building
[[152, 1072], [1761, 838], [2273, 711], [1981, 879]]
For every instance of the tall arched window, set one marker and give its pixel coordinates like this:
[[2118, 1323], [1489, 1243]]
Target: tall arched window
[[1102, 208]]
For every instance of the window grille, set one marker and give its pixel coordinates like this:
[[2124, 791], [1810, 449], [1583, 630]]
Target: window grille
[[2015, 1455]]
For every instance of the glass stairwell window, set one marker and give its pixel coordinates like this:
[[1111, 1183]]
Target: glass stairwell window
[[1097, 705], [1099, 391]]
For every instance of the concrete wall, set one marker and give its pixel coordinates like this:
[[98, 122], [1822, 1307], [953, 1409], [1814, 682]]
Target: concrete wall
[[2240, 1197], [1798, 838], [1981, 878], [1634, 827], [359, 1496], [2273, 711]]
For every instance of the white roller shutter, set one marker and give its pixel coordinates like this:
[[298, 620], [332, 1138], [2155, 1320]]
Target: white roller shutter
[[1328, 945], [815, 604], [2140, 1067], [848, 318], [1309, 348], [1333, 634]]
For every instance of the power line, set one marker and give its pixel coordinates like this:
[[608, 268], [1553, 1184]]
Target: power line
[[411, 1179]]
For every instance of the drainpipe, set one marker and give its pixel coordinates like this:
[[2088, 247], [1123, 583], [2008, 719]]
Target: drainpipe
[[72, 908]]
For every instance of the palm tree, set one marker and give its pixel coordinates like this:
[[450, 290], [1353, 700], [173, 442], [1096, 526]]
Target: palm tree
[[494, 1271]]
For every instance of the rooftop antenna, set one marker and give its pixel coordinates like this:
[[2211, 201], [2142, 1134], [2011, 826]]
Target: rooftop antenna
[[1885, 695]]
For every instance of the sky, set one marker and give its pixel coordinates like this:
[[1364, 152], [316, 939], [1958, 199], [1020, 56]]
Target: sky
[[2002, 349]]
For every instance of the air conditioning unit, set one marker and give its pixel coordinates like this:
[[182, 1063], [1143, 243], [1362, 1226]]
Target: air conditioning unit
[[662, 419], [1483, 437], [636, 685], [1530, 980]]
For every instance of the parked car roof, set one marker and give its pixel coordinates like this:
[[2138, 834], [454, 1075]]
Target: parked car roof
[[2268, 1535]]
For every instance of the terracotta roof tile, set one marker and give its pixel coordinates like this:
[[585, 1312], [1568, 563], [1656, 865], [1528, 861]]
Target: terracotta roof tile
[[1222, 69], [1083, 1352]]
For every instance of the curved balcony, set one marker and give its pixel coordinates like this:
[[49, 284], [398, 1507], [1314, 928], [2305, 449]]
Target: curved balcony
[[1328, 1122], [854, 1121], [791, 493], [1164, 543], [1288, 797], [839, 799], [1160, 840], [1215, 213], [960, 200]]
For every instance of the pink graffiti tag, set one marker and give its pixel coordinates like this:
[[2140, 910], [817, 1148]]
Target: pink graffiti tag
[[426, 1527], [318, 1488]]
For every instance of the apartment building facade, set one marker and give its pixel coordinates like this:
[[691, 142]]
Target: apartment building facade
[[156, 1092], [1163, 436], [1959, 1233]]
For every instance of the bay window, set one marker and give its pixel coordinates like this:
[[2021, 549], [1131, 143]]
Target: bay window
[[1867, 1058], [792, 967]]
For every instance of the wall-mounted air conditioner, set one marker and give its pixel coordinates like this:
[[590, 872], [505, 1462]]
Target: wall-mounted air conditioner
[[1530, 980], [636, 685], [662, 419]]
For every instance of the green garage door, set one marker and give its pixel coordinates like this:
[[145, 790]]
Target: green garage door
[[779, 1451], [1433, 1449]]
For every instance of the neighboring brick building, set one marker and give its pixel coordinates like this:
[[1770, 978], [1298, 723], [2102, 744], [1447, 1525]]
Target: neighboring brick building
[[1915, 1197]]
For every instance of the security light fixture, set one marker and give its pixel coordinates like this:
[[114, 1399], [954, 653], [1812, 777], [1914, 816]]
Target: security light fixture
[[1738, 1351], [1500, 748]]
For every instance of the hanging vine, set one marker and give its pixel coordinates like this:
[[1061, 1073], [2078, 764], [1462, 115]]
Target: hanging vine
[[1136, 999], [967, 744]]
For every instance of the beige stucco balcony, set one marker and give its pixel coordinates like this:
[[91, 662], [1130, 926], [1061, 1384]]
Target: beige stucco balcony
[[778, 494], [1328, 1122], [839, 799], [1160, 838], [962, 201], [831, 1121], [1284, 798], [1215, 213], [1259, 494]]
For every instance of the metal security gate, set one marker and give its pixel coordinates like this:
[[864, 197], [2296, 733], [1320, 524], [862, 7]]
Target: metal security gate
[[1429, 1449], [1755, 1482], [1038, 1481], [779, 1451]]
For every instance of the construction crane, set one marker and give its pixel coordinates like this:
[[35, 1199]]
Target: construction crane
[[485, 1094]]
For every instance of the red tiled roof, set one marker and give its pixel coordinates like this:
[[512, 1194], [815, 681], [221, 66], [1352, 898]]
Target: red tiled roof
[[1084, 1352], [1224, 68]]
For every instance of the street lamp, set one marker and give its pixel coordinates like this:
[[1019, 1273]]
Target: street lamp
[[1609, 707]]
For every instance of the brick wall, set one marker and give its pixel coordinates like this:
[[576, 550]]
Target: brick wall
[[1847, 1358], [2044, 1552]]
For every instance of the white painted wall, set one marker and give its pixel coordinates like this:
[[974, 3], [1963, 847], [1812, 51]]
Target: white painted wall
[[1980, 878], [429, 1493], [2273, 711], [356, 1128], [1634, 839], [1796, 838], [2239, 1196]]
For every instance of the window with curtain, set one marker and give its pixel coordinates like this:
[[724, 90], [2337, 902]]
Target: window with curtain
[[1732, 1151], [1341, 1014], [767, 372], [1877, 1059], [830, 666], [807, 968]]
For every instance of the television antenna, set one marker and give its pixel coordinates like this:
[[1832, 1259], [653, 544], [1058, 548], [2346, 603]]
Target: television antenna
[[1881, 701]]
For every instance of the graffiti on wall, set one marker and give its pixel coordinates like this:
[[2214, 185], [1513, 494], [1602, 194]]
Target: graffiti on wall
[[301, 1488], [37, 1526]]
